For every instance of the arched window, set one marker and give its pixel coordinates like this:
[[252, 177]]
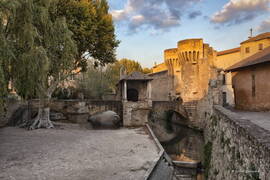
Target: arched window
[[132, 95]]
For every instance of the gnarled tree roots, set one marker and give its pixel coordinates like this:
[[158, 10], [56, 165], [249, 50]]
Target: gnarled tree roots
[[42, 120]]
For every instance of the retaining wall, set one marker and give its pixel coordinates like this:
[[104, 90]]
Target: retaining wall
[[236, 148]]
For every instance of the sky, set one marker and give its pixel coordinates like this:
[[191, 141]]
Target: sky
[[147, 27]]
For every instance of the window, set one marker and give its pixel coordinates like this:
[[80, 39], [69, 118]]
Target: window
[[247, 50], [224, 79], [260, 47], [253, 85], [224, 98]]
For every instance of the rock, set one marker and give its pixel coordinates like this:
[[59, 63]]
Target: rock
[[107, 119], [56, 116]]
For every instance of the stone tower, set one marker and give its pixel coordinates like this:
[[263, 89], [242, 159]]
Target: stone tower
[[191, 65]]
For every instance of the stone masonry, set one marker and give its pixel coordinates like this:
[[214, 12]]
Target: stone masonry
[[236, 148]]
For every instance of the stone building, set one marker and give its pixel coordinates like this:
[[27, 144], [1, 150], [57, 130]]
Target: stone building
[[250, 84], [193, 63], [185, 75], [188, 68], [134, 90], [228, 58]]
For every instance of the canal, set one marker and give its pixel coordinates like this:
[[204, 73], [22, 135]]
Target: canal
[[182, 143]]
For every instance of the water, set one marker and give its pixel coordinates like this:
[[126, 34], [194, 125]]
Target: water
[[187, 146]]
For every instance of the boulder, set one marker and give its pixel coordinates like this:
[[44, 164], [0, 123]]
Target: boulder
[[107, 119]]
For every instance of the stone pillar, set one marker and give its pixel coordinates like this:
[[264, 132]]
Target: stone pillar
[[125, 91], [149, 90]]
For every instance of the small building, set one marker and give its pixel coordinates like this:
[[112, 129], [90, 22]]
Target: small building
[[135, 93], [226, 59], [250, 82]]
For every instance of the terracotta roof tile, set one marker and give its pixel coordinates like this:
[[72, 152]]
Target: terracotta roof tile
[[229, 51]]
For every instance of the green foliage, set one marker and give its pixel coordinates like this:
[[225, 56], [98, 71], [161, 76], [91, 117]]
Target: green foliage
[[130, 65], [41, 48], [147, 70], [254, 174], [65, 93], [42, 42], [207, 158], [92, 28], [114, 70], [4, 55], [106, 42], [95, 82]]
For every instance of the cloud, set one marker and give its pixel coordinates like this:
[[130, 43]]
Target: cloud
[[194, 14], [264, 26], [238, 11], [154, 14]]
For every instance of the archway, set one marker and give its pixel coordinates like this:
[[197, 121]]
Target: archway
[[132, 95]]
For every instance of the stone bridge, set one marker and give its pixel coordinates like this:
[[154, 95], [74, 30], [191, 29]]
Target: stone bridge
[[170, 106]]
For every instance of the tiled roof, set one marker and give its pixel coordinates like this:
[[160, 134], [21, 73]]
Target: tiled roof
[[258, 58], [229, 51], [258, 37]]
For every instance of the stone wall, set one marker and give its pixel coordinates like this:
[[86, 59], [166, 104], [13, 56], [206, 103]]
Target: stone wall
[[236, 148], [162, 85], [162, 168], [136, 113], [169, 105], [78, 111], [251, 88], [11, 106]]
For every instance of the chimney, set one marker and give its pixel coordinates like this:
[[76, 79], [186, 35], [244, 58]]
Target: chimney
[[251, 33]]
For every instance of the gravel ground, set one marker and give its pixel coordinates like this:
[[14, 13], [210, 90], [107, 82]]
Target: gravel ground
[[73, 153]]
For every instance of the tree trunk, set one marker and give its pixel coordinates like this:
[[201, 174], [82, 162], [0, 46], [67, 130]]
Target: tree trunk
[[42, 120]]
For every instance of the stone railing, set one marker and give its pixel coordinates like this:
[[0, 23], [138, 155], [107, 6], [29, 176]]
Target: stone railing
[[162, 168], [236, 148]]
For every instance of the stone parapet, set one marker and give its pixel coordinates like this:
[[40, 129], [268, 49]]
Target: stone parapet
[[239, 148], [136, 113]]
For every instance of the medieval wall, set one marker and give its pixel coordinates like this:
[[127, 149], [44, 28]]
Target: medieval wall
[[224, 61], [191, 65], [136, 113], [159, 68], [161, 86], [235, 148], [78, 111]]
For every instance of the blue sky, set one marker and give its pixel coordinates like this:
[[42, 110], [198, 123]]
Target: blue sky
[[147, 27]]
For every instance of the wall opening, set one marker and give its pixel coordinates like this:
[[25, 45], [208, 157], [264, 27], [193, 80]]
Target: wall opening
[[253, 85], [132, 95], [224, 98]]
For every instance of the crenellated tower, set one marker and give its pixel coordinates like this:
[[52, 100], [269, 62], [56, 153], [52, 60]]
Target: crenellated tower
[[190, 65]]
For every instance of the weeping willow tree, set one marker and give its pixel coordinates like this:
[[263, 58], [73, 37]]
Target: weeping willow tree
[[4, 58], [41, 49], [46, 41]]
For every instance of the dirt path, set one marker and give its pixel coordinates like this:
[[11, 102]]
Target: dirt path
[[75, 154]]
